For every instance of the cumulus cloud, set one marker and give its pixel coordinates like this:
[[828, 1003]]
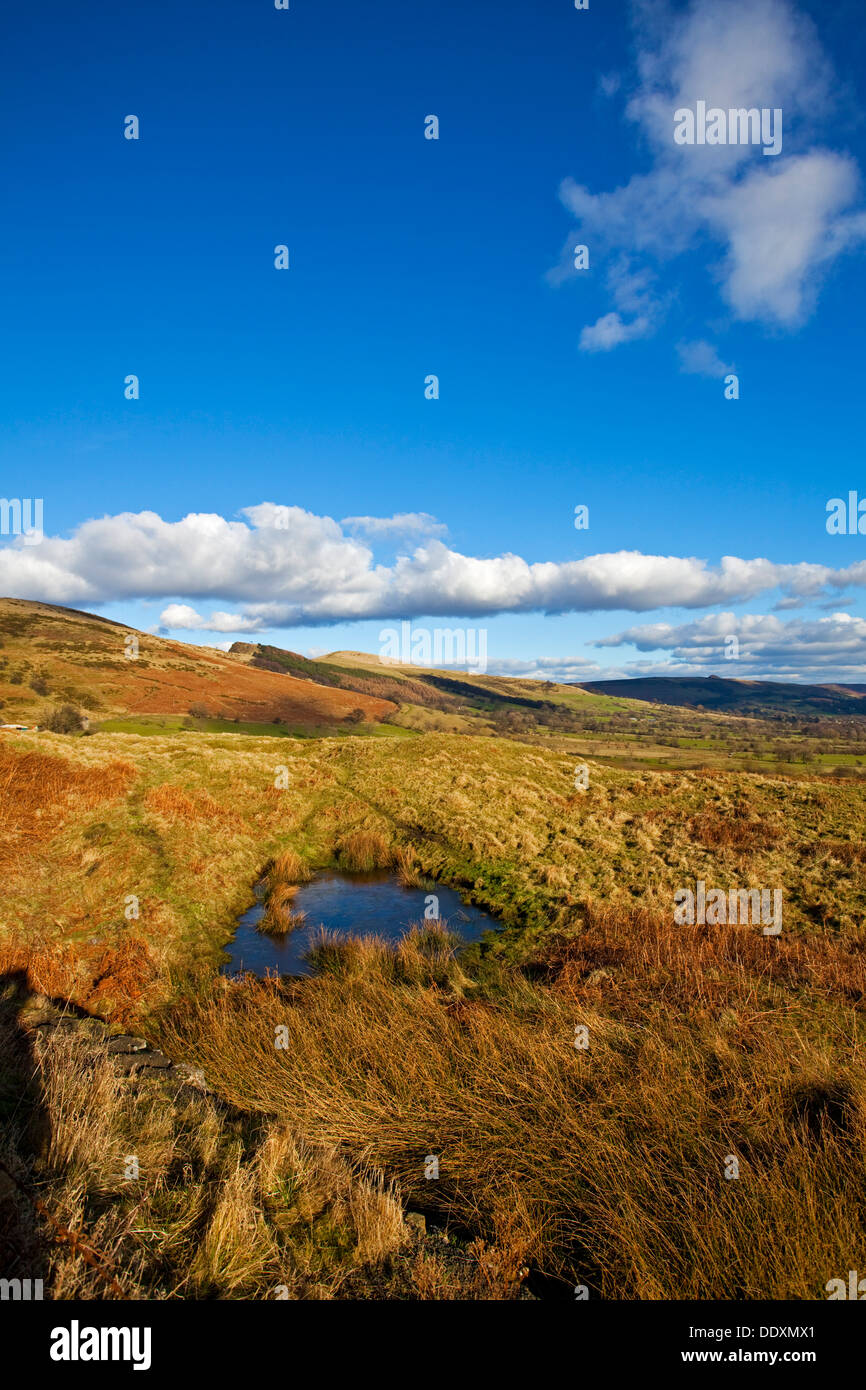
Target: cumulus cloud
[[769, 225], [179, 617], [830, 648], [283, 566]]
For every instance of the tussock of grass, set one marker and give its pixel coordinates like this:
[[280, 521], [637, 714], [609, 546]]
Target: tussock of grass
[[288, 867], [409, 871], [280, 916], [426, 955], [361, 851]]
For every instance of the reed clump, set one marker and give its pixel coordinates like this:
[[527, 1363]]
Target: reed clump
[[289, 867], [280, 915], [362, 851]]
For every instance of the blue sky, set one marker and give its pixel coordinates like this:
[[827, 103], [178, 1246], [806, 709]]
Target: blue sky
[[300, 394]]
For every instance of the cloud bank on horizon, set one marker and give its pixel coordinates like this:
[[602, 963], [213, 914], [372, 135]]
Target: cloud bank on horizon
[[282, 566]]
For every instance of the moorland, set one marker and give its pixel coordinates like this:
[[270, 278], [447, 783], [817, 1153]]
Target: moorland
[[618, 1103]]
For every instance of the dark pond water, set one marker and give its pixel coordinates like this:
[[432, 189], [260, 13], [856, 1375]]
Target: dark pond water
[[374, 904]]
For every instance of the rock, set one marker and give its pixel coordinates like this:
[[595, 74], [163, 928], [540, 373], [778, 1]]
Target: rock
[[191, 1076], [126, 1043], [94, 1029], [142, 1061], [416, 1222], [37, 1020]]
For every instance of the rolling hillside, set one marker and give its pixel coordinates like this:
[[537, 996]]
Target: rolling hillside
[[51, 655]]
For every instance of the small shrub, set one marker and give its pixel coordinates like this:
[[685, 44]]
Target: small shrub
[[65, 720]]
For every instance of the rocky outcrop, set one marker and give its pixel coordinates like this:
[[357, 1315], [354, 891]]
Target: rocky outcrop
[[130, 1055]]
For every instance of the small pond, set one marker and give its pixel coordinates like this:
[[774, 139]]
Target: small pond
[[374, 904]]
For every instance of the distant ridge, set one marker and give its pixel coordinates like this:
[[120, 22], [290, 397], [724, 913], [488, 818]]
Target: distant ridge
[[739, 696]]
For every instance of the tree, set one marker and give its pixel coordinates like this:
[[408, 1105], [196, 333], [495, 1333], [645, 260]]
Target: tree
[[356, 716]]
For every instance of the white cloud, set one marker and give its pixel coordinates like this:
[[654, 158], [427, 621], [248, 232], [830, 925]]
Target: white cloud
[[780, 228], [610, 331], [403, 524], [284, 566], [179, 617], [769, 225], [701, 359], [830, 648]]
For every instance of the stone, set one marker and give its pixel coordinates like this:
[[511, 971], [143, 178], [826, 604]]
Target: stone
[[142, 1061], [125, 1042], [192, 1076]]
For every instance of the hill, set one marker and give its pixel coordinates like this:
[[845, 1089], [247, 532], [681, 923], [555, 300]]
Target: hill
[[444, 700], [52, 655], [760, 698]]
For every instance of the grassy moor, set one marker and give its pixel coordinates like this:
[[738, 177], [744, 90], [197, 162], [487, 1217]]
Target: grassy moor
[[583, 1075]]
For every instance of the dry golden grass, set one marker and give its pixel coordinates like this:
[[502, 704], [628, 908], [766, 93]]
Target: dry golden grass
[[214, 1211], [176, 805], [604, 1166], [738, 831], [39, 793], [288, 867], [361, 851], [643, 954], [280, 916]]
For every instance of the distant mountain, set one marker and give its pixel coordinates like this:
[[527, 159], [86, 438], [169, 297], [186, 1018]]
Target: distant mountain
[[761, 698]]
